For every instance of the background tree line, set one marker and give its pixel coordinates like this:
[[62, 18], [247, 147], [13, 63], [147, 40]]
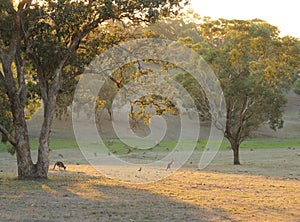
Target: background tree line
[[54, 41], [44, 48]]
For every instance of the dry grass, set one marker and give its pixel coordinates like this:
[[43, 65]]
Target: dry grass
[[239, 197], [83, 194]]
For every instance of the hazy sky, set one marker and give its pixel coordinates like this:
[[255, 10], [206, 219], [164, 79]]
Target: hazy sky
[[285, 14]]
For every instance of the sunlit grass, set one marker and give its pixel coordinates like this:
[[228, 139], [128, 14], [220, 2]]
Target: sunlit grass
[[236, 197]]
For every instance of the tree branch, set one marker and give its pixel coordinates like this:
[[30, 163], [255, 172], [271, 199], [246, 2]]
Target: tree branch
[[1, 77], [15, 38], [24, 5], [22, 91], [75, 42], [1, 54], [119, 85], [7, 134]]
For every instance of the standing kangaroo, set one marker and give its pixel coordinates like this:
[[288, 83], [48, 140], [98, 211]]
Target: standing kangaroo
[[169, 165]]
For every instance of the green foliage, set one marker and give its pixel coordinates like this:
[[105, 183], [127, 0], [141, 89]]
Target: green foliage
[[174, 29], [6, 23], [197, 93], [101, 24], [255, 67], [133, 79], [50, 43], [33, 101], [248, 58], [11, 150], [5, 114]]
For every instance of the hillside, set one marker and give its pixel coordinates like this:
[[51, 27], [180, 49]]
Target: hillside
[[64, 128]]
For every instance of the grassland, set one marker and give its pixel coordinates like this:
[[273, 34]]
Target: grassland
[[116, 146], [265, 187], [83, 194]]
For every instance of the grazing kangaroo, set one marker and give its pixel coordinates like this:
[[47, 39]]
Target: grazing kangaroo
[[60, 165], [60, 155], [169, 165]]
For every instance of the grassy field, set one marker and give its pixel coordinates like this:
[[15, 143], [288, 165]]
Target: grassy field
[[83, 194], [55, 144], [116, 146], [265, 187]]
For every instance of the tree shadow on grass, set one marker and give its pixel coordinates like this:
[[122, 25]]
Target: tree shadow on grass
[[77, 196]]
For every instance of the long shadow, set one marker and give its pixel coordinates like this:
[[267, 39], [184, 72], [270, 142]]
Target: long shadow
[[88, 198]]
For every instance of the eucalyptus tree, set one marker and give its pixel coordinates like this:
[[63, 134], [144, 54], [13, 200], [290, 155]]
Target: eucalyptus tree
[[255, 65], [55, 37]]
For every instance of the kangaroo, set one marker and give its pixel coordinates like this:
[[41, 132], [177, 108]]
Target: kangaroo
[[169, 165], [60, 155], [60, 165]]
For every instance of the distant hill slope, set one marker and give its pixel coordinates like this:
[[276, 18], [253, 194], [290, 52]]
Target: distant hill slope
[[64, 128], [291, 127]]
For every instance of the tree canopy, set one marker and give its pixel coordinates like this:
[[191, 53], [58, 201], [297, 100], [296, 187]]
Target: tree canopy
[[45, 47], [254, 65], [54, 41]]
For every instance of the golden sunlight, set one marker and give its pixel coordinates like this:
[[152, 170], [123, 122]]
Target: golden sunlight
[[283, 14]]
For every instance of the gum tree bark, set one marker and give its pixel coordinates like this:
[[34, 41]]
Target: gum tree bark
[[17, 92]]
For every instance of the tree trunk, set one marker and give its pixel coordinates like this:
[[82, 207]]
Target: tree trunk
[[44, 139], [26, 168], [109, 109], [236, 155]]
